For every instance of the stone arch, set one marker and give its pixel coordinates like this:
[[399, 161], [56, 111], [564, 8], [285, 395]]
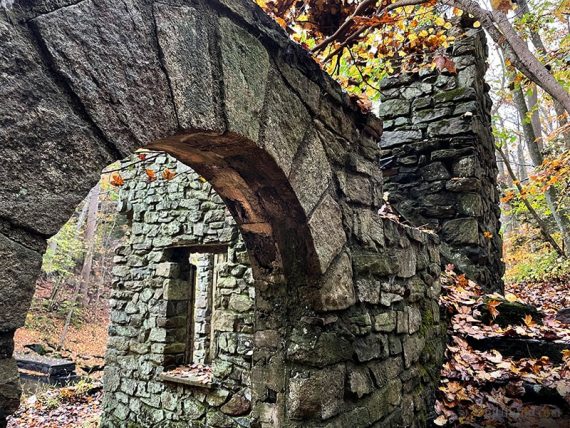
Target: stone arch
[[347, 323]]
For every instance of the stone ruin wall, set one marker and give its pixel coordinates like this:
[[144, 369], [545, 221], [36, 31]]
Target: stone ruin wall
[[171, 222], [346, 328], [439, 163], [371, 355]]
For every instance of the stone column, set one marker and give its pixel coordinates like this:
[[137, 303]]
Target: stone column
[[438, 159]]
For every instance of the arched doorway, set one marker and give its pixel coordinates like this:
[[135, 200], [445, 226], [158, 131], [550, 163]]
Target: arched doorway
[[347, 325]]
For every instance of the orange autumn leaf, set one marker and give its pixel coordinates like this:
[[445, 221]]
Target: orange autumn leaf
[[151, 174], [462, 281], [282, 23], [117, 180], [488, 235], [508, 197], [529, 322], [443, 63], [492, 308], [168, 174]]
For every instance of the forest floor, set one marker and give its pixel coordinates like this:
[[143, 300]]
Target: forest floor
[[86, 338], [79, 405], [480, 385], [507, 364]]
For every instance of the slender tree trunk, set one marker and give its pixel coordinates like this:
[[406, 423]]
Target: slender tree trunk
[[90, 237], [541, 224], [54, 292], [562, 119], [74, 301], [559, 217], [558, 107], [105, 259], [506, 217], [532, 102], [515, 48], [83, 213], [521, 163], [508, 220], [527, 128]]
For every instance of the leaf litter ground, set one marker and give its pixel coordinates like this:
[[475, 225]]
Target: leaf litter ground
[[485, 388]]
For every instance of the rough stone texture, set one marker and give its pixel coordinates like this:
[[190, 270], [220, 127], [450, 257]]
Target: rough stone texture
[[173, 224], [19, 266], [312, 174], [9, 387], [245, 65], [185, 42], [249, 111], [329, 241], [41, 128], [439, 160], [110, 60]]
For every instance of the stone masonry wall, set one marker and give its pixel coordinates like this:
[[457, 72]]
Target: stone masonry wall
[[370, 354], [439, 161], [152, 291], [345, 324], [202, 306]]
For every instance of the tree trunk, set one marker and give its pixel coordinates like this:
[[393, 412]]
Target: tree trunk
[[531, 210], [562, 119], [528, 131], [83, 213], [69, 315], [90, 238], [515, 48], [551, 195], [534, 117], [521, 163], [558, 107], [106, 259]]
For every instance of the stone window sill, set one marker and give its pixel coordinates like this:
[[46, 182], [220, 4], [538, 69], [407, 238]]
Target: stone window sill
[[185, 377]]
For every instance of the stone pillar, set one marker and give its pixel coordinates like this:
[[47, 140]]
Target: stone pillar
[[203, 307], [438, 159], [20, 263]]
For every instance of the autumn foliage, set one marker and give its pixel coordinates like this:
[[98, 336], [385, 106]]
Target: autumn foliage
[[360, 43], [485, 388]]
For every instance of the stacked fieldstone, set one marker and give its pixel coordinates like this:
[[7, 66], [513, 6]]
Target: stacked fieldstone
[[371, 356], [439, 159], [150, 317], [202, 310], [370, 353]]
